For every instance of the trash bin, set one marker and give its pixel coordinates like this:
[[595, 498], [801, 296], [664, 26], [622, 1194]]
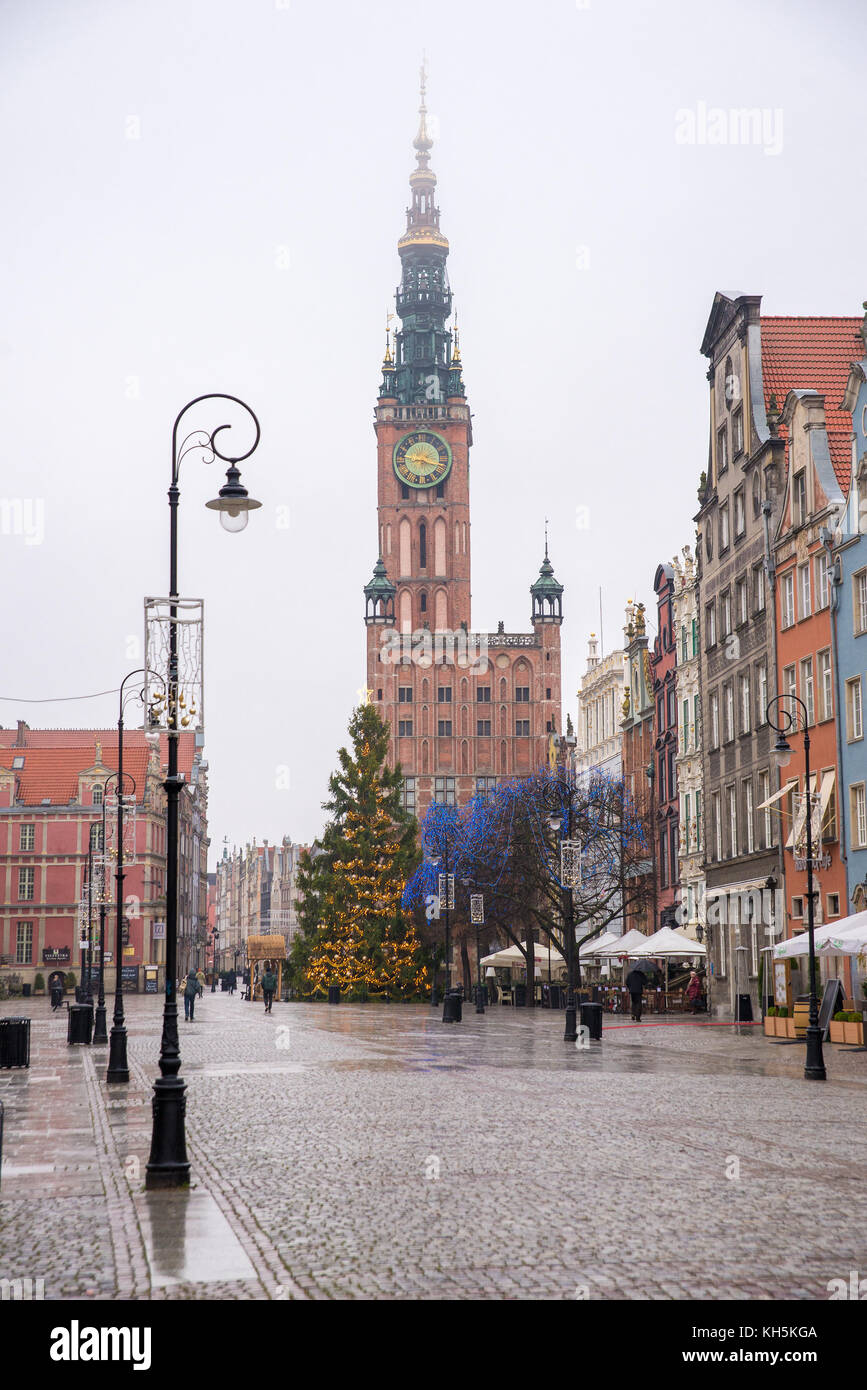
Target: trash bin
[[334, 994], [80, 1027], [591, 1019], [520, 995], [26, 990], [14, 1042], [452, 1007], [745, 1009]]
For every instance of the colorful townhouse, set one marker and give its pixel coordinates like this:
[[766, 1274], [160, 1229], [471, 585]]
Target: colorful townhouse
[[688, 769], [663, 675]]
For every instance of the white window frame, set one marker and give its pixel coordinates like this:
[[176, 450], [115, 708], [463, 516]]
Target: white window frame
[[805, 595], [808, 688], [826, 683], [787, 600], [854, 710], [858, 814]]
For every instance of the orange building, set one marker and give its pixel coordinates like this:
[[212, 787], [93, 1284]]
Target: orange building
[[818, 457]]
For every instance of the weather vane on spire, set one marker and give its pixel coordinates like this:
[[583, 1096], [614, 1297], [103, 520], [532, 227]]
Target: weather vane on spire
[[546, 538]]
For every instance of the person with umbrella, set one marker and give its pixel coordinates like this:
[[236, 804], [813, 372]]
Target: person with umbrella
[[635, 984]]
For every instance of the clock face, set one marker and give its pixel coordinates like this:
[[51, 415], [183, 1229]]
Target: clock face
[[422, 459]]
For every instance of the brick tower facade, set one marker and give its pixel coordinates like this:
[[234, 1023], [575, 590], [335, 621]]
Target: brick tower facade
[[466, 709]]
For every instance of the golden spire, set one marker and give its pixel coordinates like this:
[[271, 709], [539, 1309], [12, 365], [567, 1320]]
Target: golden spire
[[456, 348], [387, 360]]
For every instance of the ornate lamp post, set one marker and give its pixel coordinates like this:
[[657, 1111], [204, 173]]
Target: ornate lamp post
[[168, 1165], [786, 708]]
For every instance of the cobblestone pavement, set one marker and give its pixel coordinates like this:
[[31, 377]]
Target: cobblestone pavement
[[371, 1151]]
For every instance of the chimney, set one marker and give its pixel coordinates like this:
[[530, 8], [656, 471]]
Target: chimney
[[23, 731]]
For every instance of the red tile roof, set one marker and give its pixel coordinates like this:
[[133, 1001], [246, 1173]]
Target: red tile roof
[[53, 759], [814, 354]]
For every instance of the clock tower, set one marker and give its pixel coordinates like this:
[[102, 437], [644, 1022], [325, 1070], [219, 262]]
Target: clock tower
[[452, 726]]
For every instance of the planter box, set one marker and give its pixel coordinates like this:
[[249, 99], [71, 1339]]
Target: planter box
[[853, 1033], [770, 1030], [836, 1032], [780, 1029], [790, 1027]]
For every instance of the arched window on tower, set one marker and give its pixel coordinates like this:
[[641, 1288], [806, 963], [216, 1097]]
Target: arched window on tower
[[422, 602], [441, 622], [406, 611], [422, 546], [405, 550], [439, 546]]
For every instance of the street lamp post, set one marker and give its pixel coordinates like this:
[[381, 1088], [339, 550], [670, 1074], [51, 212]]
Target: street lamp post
[[786, 707], [100, 1036], [168, 1165], [562, 820], [88, 992]]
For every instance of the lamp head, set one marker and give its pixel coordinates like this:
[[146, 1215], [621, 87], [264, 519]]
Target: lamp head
[[782, 752], [233, 502]]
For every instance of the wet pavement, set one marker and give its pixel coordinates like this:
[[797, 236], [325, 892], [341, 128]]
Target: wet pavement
[[371, 1151]]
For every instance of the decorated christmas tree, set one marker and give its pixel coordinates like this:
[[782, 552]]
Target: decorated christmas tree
[[355, 934]]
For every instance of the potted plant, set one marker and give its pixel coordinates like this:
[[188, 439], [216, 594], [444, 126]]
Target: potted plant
[[770, 1021], [39, 983], [836, 1027], [69, 981], [781, 1030], [853, 1028]]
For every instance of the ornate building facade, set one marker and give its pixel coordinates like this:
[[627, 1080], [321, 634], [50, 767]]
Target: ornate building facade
[[689, 745], [600, 702], [637, 731], [465, 708]]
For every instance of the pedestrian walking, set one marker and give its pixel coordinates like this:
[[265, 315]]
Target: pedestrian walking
[[191, 989], [232, 982], [269, 984], [635, 985], [200, 977], [693, 992]]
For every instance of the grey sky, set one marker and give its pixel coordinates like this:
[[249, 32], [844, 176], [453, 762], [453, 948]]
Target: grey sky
[[587, 244]]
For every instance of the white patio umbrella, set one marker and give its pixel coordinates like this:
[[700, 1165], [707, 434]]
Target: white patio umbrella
[[598, 944], [668, 942], [623, 945], [511, 955], [800, 945]]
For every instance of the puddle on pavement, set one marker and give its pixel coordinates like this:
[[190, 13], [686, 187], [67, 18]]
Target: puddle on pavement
[[188, 1240]]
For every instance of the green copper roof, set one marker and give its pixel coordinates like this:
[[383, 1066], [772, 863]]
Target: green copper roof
[[380, 586], [546, 584]]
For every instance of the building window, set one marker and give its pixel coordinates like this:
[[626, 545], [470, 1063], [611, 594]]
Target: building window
[[758, 588], [661, 788], [822, 576], [710, 623], [740, 514], [732, 795], [484, 785], [761, 693], [483, 694], [409, 795], [422, 546], [854, 716], [858, 815], [764, 793], [422, 603], [444, 695], [404, 492], [27, 837], [404, 728], [672, 707], [714, 720], [805, 605], [799, 498], [522, 728], [724, 527], [663, 859], [749, 829], [404, 695], [833, 904], [742, 601], [26, 880], [522, 694], [728, 712], [483, 727], [744, 701], [97, 796], [790, 684], [684, 727], [722, 450], [698, 820], [787, 600], [717, 826], [738, 432], [444, 728], [826, 685], [797, 907], [723, 935], [725, 621], [444, 790], [24, 944], [859, 602], [808, 694], [683, 647]]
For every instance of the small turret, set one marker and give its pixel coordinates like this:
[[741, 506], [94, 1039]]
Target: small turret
[[546, 593], [379, 596]]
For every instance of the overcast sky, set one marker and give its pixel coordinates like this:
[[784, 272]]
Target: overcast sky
[[206, 195]]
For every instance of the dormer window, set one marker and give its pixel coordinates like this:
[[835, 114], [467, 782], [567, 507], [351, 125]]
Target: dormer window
[[97, 796]]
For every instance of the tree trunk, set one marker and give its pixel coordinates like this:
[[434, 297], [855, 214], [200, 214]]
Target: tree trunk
[[468, 976]]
